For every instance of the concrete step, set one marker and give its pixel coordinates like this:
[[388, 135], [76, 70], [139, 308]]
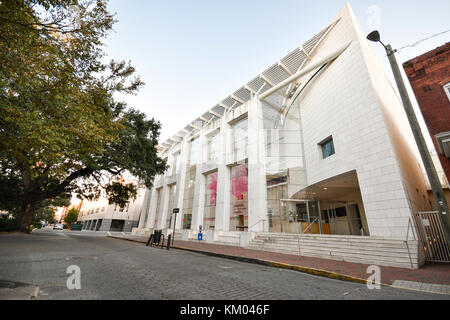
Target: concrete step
[[324, 236], [328, 250], [401, 248], [328, 238], [400, 262]]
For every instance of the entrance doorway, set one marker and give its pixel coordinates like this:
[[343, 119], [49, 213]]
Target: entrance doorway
[[343, 218], [299, 216], [117, 225]]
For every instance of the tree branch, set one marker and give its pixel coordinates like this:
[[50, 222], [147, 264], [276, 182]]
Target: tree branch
[[63, 185]]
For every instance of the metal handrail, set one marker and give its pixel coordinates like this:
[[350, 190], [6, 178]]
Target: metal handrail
[[309, 227], [261, 248], [256, 224]]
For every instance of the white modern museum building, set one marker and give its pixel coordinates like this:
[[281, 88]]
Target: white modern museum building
[[314, 156]]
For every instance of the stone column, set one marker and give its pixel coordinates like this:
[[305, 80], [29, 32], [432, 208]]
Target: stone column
[[223, 179], [200, 181], [257, 190], [152, 210], [144, 209], [181, 182], [162, 219]]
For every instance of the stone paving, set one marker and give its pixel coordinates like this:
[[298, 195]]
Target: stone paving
[[426, 277], [420, 286]]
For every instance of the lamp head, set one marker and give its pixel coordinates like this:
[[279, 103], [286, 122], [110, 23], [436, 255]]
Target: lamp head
[[374, 36]]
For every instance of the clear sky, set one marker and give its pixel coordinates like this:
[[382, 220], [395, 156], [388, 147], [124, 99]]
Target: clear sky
[[193, 53]]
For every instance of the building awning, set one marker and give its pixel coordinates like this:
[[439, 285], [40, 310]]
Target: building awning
[[268, 79]]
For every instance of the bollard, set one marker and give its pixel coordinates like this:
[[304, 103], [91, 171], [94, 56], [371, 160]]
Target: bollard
[[168, 241], [150, 240], [162, 242]]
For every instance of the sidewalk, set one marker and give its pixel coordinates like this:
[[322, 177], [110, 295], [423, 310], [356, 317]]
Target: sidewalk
[[430, 278]]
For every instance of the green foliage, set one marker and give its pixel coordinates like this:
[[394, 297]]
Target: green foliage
[[118, 193], [71, 217], [61, 130], [8, 225]]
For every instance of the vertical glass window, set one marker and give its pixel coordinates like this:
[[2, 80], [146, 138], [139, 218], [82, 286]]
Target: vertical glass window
[[210, 201], [447, 90], [175, 163], [188, 200], [195, 153], [213, 145], [240, 139], [274, 195], [239, 198]]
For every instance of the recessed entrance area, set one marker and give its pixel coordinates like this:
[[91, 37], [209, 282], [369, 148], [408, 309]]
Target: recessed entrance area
[[333, 206], [117, 225]]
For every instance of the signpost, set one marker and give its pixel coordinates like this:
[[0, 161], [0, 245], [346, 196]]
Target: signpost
[[175, 211]]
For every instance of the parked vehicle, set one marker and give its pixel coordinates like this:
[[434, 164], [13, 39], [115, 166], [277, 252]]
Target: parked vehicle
[[58, 227]]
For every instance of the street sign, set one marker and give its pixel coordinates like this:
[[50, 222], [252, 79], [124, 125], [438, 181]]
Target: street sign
[[200, 236], [176, 210]]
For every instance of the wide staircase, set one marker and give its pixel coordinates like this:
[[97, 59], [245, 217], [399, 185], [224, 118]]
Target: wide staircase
[[366, 250]]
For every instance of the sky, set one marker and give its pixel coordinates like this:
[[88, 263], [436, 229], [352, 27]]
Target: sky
[[194, 53]]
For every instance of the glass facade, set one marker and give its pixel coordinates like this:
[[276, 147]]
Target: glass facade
[[274, 194], [209, 218], [188, 200], [332, 206], [239, 198], [176, 162], [240, 139], [213, 147]]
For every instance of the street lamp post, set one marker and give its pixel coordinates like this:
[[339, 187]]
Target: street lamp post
[[421, 144]]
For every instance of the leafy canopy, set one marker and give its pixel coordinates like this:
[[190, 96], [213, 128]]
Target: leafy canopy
[[61, 129], [71, 217]]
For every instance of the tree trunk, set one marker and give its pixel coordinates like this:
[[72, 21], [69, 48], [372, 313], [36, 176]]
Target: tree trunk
[[26, 216]]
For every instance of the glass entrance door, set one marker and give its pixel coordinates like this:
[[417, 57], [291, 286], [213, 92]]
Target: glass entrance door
[[300, 216], [338, 219]]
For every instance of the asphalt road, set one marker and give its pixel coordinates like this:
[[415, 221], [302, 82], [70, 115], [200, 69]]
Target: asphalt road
[[116, 269]]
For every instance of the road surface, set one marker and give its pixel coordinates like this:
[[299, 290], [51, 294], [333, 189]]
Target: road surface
[[116, 269]]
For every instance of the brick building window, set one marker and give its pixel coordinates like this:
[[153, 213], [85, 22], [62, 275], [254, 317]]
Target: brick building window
[[447, 90]]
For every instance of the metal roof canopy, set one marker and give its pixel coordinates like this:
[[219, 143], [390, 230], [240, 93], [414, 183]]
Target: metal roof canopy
[[278, 73]]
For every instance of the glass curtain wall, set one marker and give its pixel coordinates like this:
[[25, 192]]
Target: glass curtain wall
[[213, 145], [284, 162], [239, 198], [210, 201], [240, 139], [191, 172]]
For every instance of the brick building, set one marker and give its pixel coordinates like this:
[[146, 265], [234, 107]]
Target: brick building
[[429, 75]]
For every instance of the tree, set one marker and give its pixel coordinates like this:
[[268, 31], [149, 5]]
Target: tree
[[61, 129], [47, 209], [71, 217]]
